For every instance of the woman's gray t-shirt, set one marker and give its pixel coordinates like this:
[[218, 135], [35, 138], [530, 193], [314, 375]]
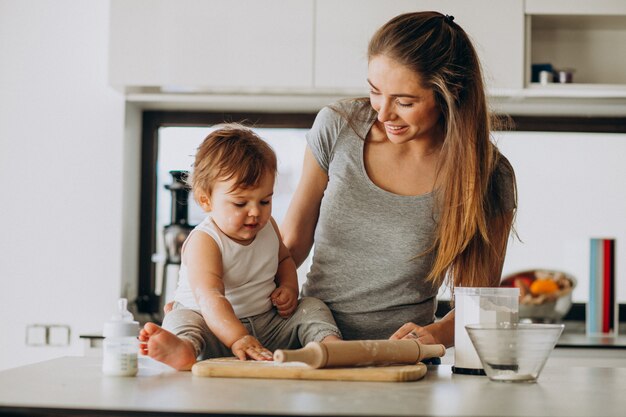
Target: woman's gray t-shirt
[[365, 264], [366, 240]]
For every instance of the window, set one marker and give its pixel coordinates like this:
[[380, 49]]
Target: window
[[170, 140]]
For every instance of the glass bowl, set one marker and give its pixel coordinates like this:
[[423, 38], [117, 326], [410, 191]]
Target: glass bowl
[[514, 352]]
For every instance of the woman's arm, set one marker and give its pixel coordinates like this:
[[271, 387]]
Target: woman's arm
[[286, 274], [285, 296], [299, 224]]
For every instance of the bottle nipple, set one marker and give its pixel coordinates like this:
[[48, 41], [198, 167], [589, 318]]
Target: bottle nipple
[[122, 323], [122, 310]]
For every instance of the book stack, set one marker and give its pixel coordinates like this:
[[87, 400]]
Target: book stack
[[602, 308]]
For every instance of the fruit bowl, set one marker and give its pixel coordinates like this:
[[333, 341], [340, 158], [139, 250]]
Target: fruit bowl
[[514, 352], [545, 295]]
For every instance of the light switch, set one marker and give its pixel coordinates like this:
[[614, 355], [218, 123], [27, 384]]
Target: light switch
[[58, 335], [36, 335]]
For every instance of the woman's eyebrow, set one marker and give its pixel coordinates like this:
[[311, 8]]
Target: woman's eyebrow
[[393, 95]]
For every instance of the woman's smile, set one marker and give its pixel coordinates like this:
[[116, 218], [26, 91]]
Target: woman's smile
[[395, 130]]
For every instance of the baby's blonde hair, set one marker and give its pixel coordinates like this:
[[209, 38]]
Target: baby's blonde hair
[[231, 152]]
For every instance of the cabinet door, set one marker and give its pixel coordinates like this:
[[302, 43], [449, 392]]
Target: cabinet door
[[343, 30], [212, 45]]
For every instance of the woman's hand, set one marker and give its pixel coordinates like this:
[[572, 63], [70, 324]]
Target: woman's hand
[[249, 347], [413, 331], [285, 299]]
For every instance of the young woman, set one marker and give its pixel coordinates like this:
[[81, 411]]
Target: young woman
[[404, 190]]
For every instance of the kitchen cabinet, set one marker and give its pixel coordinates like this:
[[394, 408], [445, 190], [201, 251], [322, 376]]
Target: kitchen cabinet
[[341, 49], [211, 46], [281, 46], [282, 54], [586, 37]]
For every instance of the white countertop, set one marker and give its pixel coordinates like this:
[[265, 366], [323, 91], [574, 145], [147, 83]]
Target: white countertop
[[76, 383]]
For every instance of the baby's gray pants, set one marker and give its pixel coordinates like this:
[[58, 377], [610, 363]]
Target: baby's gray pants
[[311, 322]]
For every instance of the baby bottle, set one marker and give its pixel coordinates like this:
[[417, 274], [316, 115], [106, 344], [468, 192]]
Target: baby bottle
[[120, 346]]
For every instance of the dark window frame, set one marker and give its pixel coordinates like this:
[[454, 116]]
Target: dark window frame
[[147, 300]]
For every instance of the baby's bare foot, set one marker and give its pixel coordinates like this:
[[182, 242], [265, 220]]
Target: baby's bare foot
[[166, 347]]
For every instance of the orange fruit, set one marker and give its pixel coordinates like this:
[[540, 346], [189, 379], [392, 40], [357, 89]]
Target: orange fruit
[[543, 286]]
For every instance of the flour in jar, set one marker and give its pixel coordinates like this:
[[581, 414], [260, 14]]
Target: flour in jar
[[480, 306]]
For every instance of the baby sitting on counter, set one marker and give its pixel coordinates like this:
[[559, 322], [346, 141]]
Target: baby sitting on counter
[[237, 290]]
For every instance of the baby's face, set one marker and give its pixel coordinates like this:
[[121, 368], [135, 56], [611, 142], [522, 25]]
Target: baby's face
[[241, 212]]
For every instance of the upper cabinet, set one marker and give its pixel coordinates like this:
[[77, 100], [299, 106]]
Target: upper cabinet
[[584, 40], [285, 46], [343, 29], [217, 45], [314, 49]]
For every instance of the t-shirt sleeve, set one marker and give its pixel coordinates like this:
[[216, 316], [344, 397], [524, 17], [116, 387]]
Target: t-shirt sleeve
[[323, 136]]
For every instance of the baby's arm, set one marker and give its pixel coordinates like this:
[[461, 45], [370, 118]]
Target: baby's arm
[[285, 297], [204, 264]]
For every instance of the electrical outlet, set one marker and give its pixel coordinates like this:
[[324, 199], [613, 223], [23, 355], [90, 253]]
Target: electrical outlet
[[58, 335], [36, 335], [48, 335]]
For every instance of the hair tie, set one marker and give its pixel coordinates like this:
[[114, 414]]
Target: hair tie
[[449, 18]]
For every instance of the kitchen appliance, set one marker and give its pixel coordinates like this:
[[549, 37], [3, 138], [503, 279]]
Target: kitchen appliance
[[175, 233], [479, 305]]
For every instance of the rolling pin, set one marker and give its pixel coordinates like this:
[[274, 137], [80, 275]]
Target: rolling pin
[[360, 353]]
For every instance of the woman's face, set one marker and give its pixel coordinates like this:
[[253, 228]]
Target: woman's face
[[405, 109]]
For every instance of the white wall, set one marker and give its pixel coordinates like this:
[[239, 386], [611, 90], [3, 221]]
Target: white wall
[[61, 163], [571, 188]]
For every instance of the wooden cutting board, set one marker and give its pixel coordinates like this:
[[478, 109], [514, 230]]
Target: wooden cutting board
[[234, 368]]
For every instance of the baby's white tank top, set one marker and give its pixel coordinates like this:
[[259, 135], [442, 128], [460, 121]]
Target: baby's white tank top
[[249, 271]]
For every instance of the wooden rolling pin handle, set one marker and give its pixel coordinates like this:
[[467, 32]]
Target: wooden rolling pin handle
[[430, 351], [360, 353], [313, 354]]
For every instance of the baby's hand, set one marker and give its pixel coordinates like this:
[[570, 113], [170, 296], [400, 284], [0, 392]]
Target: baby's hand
[[249, 347], [286, 301]]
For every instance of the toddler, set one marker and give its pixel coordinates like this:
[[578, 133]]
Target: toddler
[[237, 290]]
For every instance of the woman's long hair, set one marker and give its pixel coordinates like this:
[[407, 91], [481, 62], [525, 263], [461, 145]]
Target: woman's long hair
[[468, 210]]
